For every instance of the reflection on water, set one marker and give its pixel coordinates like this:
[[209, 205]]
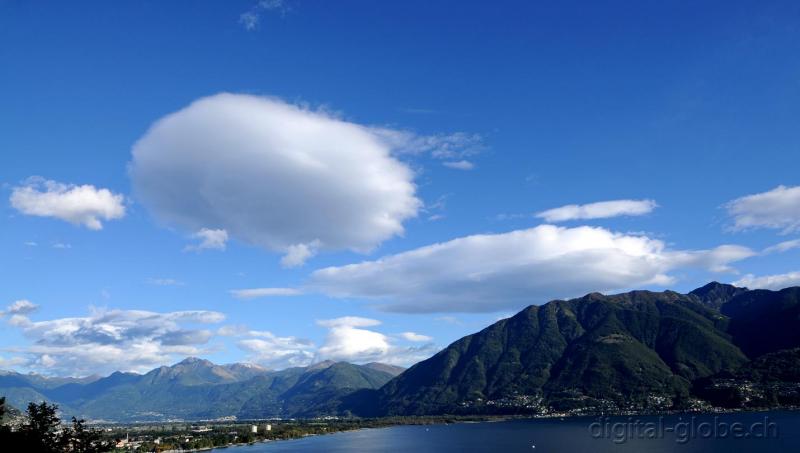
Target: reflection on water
[[725, 433]]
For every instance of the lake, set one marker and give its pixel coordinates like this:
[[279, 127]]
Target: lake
[[723, 433]]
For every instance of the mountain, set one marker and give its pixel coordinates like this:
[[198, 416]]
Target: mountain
[[718, 345], [764, 321], [717, 294], [394, 370], [637, 351], [771, 380], [196, 389]]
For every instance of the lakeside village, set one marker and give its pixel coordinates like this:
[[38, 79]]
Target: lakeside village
[[181, 436], [173, 437]]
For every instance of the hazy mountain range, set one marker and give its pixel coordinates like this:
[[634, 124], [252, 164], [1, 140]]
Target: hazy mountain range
[[198, 389], [717, 345]]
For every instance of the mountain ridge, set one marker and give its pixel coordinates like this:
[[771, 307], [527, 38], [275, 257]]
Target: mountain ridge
[[640, 351], [636, 351], [196, 388]]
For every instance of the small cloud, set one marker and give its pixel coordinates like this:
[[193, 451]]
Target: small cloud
[[209, 240], [30, 244], [251, 19], [459, 165], [298, 254], [20, 307], [164, 282], [417, 111], [533, 178], [504, 216], [253, 293], [449, 320], [777, 209], [79, 205], [62, 245], [600, 210], [412, 336], [436, 217]]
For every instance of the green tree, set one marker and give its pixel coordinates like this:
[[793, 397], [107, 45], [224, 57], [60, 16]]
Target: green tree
[[42, 432], [79, 439]]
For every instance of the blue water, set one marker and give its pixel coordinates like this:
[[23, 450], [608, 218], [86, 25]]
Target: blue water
[[766, 432]]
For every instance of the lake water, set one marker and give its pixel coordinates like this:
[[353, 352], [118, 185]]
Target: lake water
[[724, 433]]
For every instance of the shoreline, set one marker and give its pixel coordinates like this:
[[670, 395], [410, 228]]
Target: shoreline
[[497, 419]]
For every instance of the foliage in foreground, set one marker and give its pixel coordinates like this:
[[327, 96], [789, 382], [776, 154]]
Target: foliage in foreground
[[42, 432]]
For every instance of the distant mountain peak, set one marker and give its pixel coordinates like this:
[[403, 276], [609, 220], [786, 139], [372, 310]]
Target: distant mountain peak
[[195, 361], [321, 365], [252, 366], [393, 370], [716, 294]]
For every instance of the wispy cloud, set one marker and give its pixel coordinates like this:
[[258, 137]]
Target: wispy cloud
[[165, 282], [251, 19], [419, 111], [459, 164], [450, 147], [784, 246], [773, 282], [599, 210], [253, 293], [777, 209]]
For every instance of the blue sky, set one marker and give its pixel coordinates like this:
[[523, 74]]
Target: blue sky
[[423, 123]]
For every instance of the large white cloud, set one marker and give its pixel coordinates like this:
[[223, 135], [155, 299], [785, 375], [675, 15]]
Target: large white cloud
[[349, 338], [80, 205], [774, 282], [110, 340], [491, 272], [274, 175], [778, 208], [599, 210]]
